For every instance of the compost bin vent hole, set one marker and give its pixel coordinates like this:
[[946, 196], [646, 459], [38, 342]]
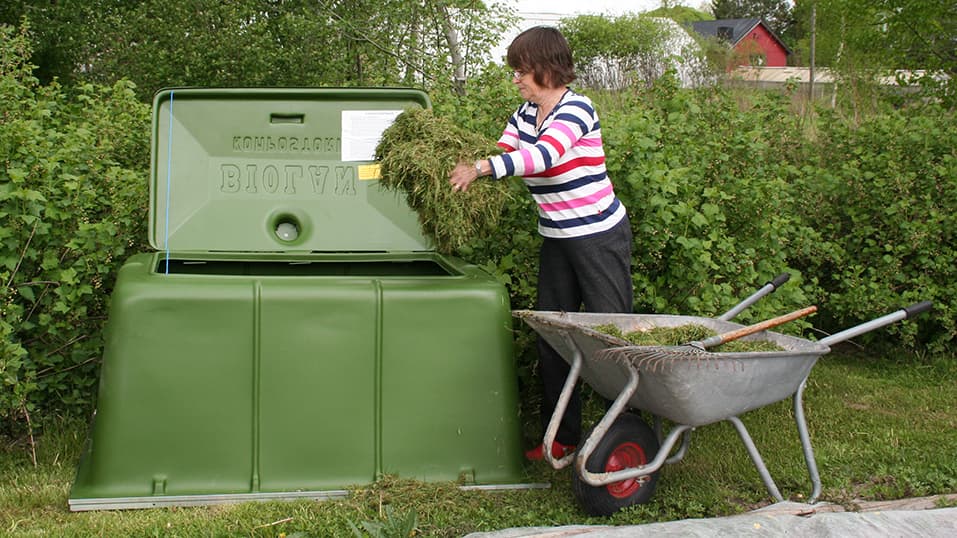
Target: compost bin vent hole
[[287, 231]]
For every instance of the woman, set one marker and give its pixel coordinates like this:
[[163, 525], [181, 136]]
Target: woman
[[553, 142]]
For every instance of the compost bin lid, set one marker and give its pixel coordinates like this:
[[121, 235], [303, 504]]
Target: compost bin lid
[[276, 170]]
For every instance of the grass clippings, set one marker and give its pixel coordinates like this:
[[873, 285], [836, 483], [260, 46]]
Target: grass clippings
[[683, 334], [417, 153]]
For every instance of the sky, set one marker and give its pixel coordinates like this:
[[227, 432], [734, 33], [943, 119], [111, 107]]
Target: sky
[[581, 7]]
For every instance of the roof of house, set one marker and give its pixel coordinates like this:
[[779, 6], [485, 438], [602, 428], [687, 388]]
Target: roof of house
[[733, 30]]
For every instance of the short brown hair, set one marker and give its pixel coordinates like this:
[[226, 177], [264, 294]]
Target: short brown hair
[[544, 52]]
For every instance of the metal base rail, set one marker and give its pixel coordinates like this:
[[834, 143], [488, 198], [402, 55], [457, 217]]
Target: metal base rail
[[125, 503], [167, 501]]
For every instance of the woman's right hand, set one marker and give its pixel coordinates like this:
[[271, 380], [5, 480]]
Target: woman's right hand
[[462, 176]]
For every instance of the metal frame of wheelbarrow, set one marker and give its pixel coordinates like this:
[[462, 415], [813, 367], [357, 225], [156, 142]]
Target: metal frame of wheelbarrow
[[682, 430]]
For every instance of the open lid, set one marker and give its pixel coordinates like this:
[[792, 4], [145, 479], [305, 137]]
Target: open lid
[[276, 170]]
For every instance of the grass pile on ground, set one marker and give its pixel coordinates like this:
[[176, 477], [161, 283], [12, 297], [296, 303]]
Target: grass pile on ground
[[417, 153], [682, 334]]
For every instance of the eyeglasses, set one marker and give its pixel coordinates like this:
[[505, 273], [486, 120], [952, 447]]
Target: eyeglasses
[[518, 74]]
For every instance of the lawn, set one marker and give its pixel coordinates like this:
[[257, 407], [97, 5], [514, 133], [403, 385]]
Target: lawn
[[883, 427]]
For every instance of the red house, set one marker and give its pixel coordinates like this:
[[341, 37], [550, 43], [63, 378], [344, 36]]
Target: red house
[[752, 42]]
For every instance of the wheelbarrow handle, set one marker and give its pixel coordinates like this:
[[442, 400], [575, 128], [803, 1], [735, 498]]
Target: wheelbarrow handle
[[768, 288], [898, 315], [780, 280], [917, 308]]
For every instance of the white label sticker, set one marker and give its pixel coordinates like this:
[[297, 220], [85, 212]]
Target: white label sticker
[[362, 130]]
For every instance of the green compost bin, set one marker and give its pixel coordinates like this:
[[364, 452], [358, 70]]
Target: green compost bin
[[293, 334]]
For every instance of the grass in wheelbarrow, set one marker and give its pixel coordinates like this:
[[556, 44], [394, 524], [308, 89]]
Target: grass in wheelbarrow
[[673, 336], [883, 427]]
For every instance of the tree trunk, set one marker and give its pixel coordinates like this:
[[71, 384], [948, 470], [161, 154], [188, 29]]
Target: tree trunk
[[810, 78], [455, 50], [837, 60]]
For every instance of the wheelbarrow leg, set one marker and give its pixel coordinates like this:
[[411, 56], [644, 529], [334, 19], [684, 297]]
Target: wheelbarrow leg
[[806, 443], [805, 446], [756, 458], [685, 441], [562, 405]]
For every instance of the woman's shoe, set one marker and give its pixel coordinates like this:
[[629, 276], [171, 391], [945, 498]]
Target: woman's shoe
[[558, 451]]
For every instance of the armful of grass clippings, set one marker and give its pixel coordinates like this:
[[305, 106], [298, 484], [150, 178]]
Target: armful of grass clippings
[[416, 154]]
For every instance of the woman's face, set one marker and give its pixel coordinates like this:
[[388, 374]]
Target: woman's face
[[527, 87]]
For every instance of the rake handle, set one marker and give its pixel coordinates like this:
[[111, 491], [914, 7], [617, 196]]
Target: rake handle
[[757, 327]]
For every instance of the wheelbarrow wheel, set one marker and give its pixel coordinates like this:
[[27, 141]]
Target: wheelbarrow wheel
[[629, 442]]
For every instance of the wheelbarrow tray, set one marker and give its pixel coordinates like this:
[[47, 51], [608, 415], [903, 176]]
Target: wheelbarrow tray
[[689, 391]]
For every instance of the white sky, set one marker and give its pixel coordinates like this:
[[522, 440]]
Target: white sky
[[580, 7]]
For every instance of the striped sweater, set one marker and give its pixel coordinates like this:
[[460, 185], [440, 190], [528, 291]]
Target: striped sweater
[[563, 166]]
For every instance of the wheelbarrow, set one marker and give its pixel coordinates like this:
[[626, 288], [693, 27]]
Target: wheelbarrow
[[618, 463]]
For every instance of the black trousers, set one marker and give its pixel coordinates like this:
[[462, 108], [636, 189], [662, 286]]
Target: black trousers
[[593, 272]]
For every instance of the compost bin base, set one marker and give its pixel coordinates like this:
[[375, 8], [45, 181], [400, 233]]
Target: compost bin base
[[259, 382]]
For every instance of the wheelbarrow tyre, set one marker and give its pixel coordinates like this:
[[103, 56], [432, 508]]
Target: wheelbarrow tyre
[[629, 442]]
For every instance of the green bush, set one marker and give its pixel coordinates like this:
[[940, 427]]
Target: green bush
[[884, 195], [704, 180], [72, 205], [725, 190]]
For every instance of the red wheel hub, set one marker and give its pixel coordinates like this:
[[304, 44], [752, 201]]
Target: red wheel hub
[[625, 455]]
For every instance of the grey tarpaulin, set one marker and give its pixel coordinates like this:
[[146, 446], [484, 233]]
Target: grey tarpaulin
[[782, 519]]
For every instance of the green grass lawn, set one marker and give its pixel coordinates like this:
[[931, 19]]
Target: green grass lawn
[[882, 428]]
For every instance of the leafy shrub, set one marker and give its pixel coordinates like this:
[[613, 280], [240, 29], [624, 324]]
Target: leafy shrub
[[487, 103], [626, 50], [727, 189], [884, 195], [705, 182], [724, 189], [72, 193]]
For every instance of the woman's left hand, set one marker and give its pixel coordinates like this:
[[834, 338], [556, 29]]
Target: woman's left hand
[[462, 176]]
